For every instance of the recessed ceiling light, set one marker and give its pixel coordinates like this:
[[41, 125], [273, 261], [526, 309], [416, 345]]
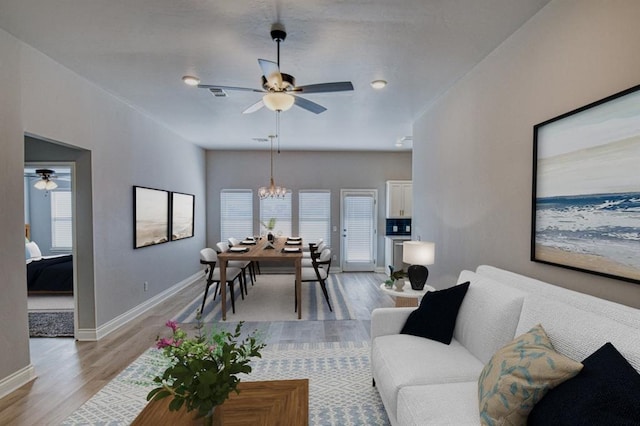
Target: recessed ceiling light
[[191, 80], [378, 84]]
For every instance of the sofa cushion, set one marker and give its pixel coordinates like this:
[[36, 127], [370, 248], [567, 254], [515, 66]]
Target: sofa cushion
[[605, 392], [436, 316], [488, 315], [451, 404], [403, 360], [577, 333], [519, 375]]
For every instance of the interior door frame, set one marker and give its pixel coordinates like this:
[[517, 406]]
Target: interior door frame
[[343, 252]]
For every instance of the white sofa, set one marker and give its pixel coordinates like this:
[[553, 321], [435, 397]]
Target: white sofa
[[424, 382]]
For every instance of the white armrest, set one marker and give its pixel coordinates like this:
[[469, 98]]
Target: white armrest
[[386, 321]]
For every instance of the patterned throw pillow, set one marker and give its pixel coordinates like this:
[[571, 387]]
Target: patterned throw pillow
[[518, 376]]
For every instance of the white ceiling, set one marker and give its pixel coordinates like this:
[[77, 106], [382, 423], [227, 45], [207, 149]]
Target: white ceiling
[[138, 50]]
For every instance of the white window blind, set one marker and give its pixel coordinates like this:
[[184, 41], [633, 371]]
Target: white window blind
[[61, 223], [236, 213], [314, 212], [280, 210]]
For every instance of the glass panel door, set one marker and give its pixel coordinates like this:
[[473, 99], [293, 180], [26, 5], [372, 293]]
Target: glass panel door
[[358, 224]]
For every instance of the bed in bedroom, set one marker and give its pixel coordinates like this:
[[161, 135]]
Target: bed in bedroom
[[48, 274]]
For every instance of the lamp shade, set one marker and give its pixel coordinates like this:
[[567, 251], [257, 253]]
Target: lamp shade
[[278, 101], [418, 252]]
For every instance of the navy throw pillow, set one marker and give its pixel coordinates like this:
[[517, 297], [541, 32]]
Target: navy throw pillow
[[436, 316], [605, 392]]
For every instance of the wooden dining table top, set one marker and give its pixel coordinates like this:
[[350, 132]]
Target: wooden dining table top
[[258, 251]]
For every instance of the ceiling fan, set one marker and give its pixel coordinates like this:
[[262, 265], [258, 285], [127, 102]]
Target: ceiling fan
[[280, 89]]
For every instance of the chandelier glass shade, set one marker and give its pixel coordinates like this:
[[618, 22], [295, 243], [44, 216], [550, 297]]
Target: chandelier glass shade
[[278, 101]]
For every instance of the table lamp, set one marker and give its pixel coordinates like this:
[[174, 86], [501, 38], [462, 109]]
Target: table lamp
[[418, 254]]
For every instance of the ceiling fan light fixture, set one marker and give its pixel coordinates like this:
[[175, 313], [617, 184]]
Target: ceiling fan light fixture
[[278, 101], [190, 80], [378, 84], [45, 182]]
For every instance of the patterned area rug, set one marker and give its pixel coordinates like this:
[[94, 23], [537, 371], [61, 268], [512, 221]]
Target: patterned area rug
[[51, 324], [272, 298], [340, 390]]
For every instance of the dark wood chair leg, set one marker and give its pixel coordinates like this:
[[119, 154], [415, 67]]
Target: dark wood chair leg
[[326, 294], [206, 290], [233, 299]]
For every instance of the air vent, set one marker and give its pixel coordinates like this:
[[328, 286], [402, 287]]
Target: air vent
[[261, 139], [218, 93]]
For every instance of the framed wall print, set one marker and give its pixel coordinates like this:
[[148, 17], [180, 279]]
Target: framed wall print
[[151, 216], [586, 188], [182, 214]]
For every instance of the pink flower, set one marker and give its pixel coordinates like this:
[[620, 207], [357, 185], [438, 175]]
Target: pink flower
[[173, 325], [164, 342]]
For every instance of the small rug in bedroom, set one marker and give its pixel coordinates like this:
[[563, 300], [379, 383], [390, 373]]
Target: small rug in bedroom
[[272, 298], [340, 389], [51, 324]]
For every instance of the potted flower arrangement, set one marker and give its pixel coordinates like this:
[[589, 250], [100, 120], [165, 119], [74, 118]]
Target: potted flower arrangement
[[395, 277], [203, 370], [270, 225]]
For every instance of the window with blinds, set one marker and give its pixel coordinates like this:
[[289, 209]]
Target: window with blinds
[[236, 213], [314, 214], [61, 220], [280, 210]]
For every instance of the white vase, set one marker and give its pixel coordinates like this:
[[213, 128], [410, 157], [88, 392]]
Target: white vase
[[399, 285]]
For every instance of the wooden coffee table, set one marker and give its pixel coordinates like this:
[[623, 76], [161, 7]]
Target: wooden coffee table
[[275, 402]]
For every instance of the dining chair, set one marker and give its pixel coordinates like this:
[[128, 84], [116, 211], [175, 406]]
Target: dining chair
[[209, 257], [223, 247], [252, 270], [318, 272], [314, 253]]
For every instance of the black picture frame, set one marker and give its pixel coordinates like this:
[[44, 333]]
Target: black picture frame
[[182, 215], [586, 188], [150, 216]]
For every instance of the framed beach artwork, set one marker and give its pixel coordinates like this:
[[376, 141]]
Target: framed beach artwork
[[151, 216], [182, 213], [586, 188]]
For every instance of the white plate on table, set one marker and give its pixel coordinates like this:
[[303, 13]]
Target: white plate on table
[[293, 243], [239, 249], [291, 249]]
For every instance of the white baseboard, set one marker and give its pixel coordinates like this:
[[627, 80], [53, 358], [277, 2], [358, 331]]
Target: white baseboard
[[17, 379], [87, 334]]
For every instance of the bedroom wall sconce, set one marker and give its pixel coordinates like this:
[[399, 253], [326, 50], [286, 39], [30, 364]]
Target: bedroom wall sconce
[[45, 182], [418, 254]]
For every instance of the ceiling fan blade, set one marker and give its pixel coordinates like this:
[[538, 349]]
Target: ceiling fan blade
[[308, 105], [216, 86], [271, 72], [254, 107], [339, 86]]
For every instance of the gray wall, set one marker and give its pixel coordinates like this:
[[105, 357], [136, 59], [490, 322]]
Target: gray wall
[[298, 170], [474, 145], [117, 147]]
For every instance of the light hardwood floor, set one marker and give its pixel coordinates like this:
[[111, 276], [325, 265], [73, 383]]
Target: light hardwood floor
[[70, 372]]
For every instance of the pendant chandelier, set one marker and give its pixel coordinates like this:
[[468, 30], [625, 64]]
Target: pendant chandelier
[[273, 191]]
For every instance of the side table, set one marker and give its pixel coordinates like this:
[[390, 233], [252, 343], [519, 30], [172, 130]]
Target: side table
[[408, 297]]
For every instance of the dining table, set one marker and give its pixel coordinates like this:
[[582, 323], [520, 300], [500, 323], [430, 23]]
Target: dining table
[[281, 249]]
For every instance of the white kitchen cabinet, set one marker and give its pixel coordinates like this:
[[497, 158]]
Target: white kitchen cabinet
[[399, 199]]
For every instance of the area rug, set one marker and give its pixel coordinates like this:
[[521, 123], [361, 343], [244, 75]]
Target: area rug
[[272, 298], [51, 324], [340, 387]]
